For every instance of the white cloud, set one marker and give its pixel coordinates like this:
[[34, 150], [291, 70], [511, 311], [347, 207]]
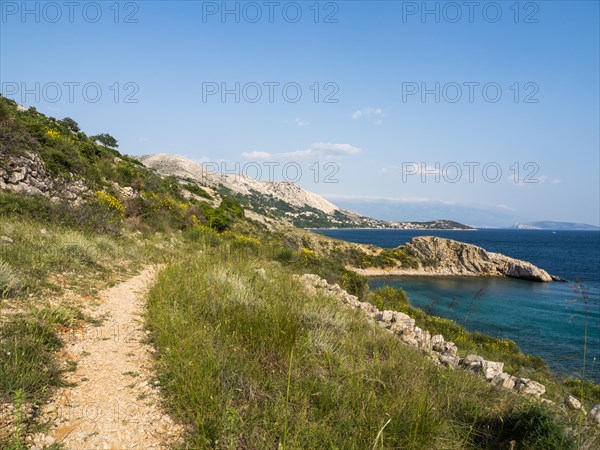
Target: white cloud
[[257, 155], [345, 149], [301, 122], [368, 112], [413, 168], [548, 180], [318, 151], [533, 180]]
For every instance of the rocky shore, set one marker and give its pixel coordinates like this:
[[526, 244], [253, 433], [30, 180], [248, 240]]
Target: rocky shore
[[446, 257], [441, 352]]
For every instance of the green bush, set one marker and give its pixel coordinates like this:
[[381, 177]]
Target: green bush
[[5, 110], [532, 427], [353, 283], [197, 190], [106, 140], [71, 124], [284, 255], [203, 235], [90, 151], [79, 251], [219, 221], [225, 215], [388, 298], [583, 389], [307, 261], [231, 207]]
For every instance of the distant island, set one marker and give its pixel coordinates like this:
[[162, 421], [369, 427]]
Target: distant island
[[393, 225], [550, 225]]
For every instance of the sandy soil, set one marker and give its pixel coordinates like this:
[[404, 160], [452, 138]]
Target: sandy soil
[[114, 402]]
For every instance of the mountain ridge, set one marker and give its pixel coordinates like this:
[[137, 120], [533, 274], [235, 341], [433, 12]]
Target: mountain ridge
[[279, 199]]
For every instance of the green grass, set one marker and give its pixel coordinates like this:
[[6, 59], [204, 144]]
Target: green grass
[[491, 348], [90, 216], [37, 258], [27, 345], [304, 260], [9, 282], [248, 361]]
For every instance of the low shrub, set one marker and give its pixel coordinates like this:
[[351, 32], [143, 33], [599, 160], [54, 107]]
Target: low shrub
[[203, 234], [88, 216], [284, 255], [111, 203], [197, 190], [533, 426], [585, 390], [388, 298], [240, 241]]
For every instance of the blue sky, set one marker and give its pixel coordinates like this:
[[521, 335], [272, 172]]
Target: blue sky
[[385, 143]]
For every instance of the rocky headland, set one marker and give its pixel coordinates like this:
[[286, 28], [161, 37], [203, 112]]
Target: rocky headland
[[446, 257]]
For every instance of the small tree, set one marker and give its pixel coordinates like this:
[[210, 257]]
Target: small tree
[[231, 207], [106, 140], [5, 112], [71, 124]]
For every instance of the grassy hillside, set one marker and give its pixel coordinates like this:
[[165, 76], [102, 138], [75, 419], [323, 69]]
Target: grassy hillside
[[152, 202], [251, 361], [246, 360]]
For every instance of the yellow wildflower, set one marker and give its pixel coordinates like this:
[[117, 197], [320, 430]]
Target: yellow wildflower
[[52, 134], [110, 202]]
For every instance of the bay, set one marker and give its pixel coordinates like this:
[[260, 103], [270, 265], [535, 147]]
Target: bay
[[556, 321]]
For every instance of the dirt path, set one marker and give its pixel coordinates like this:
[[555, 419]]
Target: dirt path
[[115, 403]]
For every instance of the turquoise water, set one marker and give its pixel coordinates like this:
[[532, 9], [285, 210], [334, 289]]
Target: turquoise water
[[546, 319]]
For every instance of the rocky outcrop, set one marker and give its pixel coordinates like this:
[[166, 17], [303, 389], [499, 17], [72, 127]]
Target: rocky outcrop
[[572, 403], [527, 386], [448, 257], [26, 174], [440, 351], [594, 414]]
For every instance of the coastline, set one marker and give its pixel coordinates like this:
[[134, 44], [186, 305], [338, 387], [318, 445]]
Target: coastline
[[395, 272], [398, 229]]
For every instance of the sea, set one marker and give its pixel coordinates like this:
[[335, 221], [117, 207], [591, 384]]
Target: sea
[[558, 321]]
